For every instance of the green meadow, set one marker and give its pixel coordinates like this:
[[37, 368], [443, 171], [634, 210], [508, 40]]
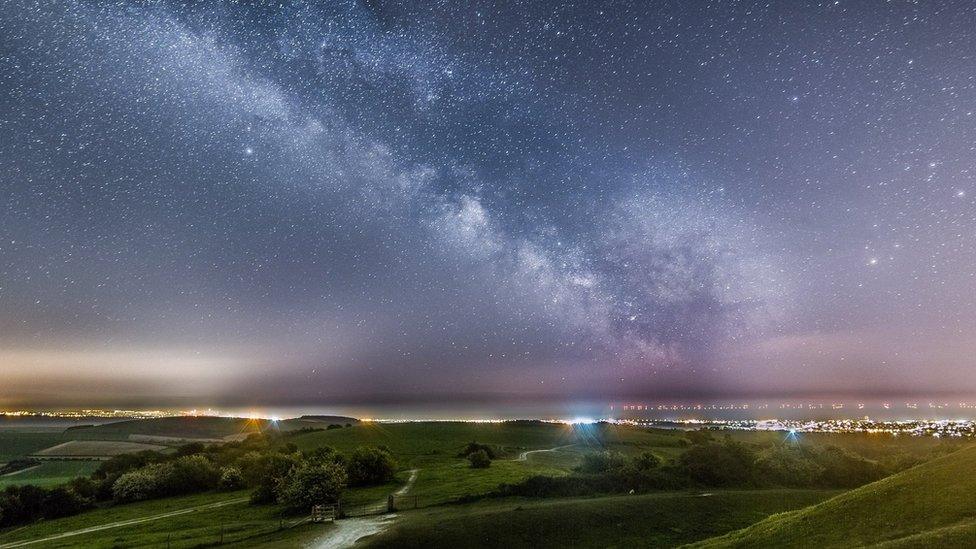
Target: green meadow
[[458, 506]]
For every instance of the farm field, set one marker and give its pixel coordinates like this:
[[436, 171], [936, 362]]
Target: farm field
[[649, 520], [96, 449], [18, 443], [191, 427], [50, 473]]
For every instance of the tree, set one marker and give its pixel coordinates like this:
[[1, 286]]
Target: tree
[[310, 485], [601, 462], [647, 461], [473, 447], [61, 502], [479, 459], [701, 436], [370, 466], [231, 478], [191, 474], [714, 464], [140, 484]]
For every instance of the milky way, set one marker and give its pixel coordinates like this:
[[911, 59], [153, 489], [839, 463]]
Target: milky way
[[379, 202]]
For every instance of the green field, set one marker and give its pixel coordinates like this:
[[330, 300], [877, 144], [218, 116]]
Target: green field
[[933, 504], [97, 448], [19, 443], [191, 427], [50, 473], [443, 478], [648, 520]]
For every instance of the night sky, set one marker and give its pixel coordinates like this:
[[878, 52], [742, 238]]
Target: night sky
[[292, 204]]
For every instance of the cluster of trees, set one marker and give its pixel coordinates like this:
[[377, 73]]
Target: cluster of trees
[[478, 455], [277, 473], [27, 503], [710, 463]]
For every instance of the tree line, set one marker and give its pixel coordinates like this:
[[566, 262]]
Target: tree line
[[276, 473]]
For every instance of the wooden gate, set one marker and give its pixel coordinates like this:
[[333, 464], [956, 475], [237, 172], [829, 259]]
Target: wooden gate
[[323, 513]]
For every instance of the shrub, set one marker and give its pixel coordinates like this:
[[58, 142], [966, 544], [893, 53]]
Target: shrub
[[311, 485], [473, 447], [370, 466], [140, 484], [190, 449], [601, 462], [231, 478], [714, 464], [701, 436], [788, 466], [322, 454], [61, 502], [190, 474], [479, 459], [646, 462]]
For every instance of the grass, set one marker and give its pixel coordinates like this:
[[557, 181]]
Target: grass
[[240, 524], [17, 444], [97, 448], [433, 448], [932, 504], [648, 520], [179, 427], [50, 473]]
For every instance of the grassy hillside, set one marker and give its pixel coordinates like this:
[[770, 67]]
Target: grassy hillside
[[933, 504], [189, 427], [18, 444], [49, 473], [177, 427], [649, 520]]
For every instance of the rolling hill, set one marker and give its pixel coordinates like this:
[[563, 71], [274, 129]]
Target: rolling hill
[[931, 505], [190, 427]]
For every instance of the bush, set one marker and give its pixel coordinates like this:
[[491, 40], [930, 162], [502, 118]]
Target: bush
[[311, 485], [788, 466], [479, 459], [231, 478], [646, 462], [184, 475], [61, 502], [701, 436], [473, 447], [601, 462], [370, 466], [191, 474], [714, 464], [140, 484]]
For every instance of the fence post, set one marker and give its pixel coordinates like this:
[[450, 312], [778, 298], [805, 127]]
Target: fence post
[[390, 505]]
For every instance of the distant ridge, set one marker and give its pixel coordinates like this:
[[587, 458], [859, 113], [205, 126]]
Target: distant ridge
[[203, 428], [340, 420]]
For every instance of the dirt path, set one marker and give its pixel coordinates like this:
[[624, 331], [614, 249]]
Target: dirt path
[[524, 456], [346, 532], [121, 523], [19, 471]]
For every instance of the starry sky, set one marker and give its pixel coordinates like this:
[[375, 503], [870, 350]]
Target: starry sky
[[307, 203]]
